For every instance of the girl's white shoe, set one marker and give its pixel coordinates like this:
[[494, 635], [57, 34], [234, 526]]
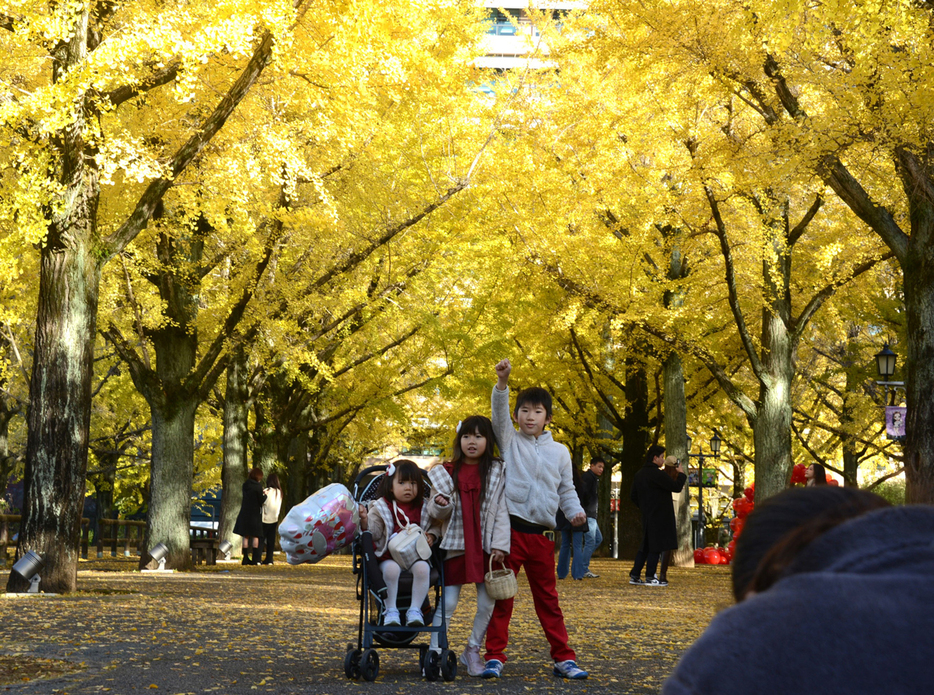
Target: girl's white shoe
[[471, 659]]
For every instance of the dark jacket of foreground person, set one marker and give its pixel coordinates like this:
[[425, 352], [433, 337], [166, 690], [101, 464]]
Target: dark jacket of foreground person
[[853, 613]]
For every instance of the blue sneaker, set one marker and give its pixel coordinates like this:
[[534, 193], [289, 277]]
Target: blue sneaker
[[568, 669], [493, 669]]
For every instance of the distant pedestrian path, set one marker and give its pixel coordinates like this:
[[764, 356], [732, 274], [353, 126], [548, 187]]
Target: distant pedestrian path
[[281, 629]]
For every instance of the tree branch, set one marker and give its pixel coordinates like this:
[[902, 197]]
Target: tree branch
[[799, 324], [147, 203], [123, 94], [799, 229], [732, 292]]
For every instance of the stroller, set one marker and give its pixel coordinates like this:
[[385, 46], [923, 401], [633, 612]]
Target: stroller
[[362, 659]]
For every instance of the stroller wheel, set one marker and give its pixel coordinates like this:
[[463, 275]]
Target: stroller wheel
[[448, 665], [422, 651], [432, 666], [352, 663], [369, 665]]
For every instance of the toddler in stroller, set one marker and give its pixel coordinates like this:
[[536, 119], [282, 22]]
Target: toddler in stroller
[[389, 499]]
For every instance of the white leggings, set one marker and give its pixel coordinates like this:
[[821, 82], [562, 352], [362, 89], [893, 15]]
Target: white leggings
[[485, 607], [391, 572]]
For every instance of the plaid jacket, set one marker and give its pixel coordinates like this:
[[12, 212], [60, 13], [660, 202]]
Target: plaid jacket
[[494, 518], [380, 518]]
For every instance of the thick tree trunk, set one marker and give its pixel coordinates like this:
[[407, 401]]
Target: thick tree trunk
[[772, 428], [169, 519], [919, 304], [236, 440], [675, 440], [635, 445], [173, 403], [66, 325], [59, 415]]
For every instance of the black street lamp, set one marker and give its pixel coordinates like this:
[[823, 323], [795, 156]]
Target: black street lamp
[[700, 540], [886, 359]]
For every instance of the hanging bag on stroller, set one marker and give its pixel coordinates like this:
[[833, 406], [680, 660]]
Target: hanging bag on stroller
[[410, 544], [376, 582]]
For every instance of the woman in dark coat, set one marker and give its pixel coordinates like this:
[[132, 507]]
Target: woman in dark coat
[[249, 522], [651, 491]]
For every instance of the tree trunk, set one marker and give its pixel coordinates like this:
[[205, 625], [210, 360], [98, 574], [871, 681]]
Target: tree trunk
[[66, 324], [235, 467], [173, 403], [59, 414], [169, 518], [7, 462], [676, 443], [919, 428], [635, 445], [772, 427]]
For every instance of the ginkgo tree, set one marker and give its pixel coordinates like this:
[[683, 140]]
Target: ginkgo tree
[[105, 107], [843, 91], [638, 161]]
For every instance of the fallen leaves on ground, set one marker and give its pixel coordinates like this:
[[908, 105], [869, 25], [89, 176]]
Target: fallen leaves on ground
[[234, 628]]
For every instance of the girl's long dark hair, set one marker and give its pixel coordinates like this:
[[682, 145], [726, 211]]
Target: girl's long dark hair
[[475, 424], [272, 480], [406, 470], [820, 475]]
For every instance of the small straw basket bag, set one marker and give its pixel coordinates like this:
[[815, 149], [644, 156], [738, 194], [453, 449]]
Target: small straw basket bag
[[500, 584]]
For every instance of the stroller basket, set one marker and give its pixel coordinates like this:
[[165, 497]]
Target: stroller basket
[[362, 658]]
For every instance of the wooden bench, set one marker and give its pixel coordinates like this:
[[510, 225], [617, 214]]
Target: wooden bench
[[108, 534], [9, 526]]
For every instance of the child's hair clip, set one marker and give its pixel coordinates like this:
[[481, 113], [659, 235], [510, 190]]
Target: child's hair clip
[[390, 470], [458, 428]]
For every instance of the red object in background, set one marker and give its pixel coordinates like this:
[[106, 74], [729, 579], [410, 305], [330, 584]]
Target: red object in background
[[731, 548], [797, 473], [736, 525], [742, 507], [699, 557], [712, 556], [750, 492], [833, 481]]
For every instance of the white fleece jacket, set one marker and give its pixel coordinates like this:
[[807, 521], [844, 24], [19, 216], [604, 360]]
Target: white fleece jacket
[[538, 470]]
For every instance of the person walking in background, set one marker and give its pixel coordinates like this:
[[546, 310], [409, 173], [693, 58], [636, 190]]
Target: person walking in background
[[271, 508], [572, 537], [590, 498], [538, 482], [249, 522], [651, 492]]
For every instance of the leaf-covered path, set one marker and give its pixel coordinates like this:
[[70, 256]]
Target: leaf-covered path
[[281, 629]]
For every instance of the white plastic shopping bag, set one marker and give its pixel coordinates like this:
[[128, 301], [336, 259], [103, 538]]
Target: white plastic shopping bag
[[323, 523]]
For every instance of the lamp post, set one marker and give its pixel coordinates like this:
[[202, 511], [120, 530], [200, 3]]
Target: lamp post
[[886, 359], [700, 540]]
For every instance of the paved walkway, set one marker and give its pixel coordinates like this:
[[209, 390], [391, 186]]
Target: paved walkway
[[282, 629]]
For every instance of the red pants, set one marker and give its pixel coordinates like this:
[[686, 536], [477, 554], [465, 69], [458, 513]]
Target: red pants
[[537, 554]]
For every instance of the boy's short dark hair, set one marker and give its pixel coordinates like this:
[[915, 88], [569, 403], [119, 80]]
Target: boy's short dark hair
[[534, 395]]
